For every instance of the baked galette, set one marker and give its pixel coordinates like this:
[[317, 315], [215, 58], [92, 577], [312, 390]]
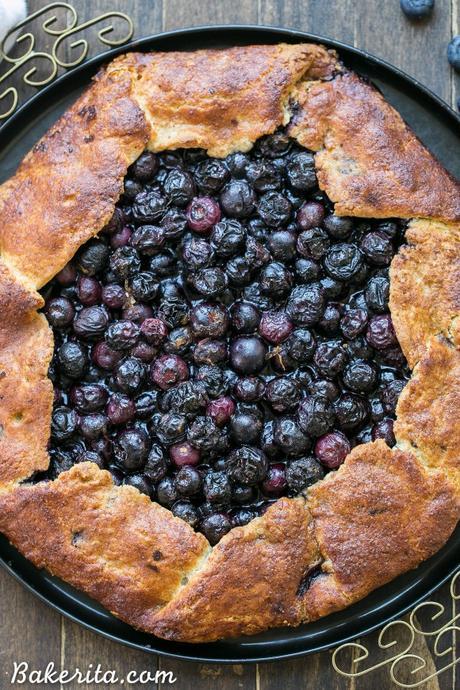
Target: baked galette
[[229, 342]]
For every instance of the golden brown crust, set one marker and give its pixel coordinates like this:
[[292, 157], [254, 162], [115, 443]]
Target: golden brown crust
[[428, 419], [303, 558], [369, 162], [250, 582], [220, 100], [378, 516], [26, 392], [112, 542], [425, 286], [65, 189]]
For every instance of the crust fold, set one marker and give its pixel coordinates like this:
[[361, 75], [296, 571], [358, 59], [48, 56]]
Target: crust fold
[[250, 581], [26, 392], [220, 100], [369, 162], [425, 286], [428, 420], [112, 542], [65, 189], [378, 516]]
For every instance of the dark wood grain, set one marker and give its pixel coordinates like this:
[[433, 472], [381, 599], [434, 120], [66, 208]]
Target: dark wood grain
[[31, 631]]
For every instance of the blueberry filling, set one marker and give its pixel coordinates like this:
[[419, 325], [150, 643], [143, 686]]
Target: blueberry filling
[[226, 339]]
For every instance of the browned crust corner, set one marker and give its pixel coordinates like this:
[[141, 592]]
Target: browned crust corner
[[425, 286], [111, 542], [65, 189], [369, 162], [378, 516], [250, 582]]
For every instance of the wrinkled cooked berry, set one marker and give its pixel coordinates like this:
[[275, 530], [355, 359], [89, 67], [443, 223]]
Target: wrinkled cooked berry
[[247, 465], [377, 248], [343, 261], [275, 326], [289, 437], [380, 332], [209, 320], [360, 376], [91, 322], [351, 411], [202, 213], [274, 209], [131, 449], [302, 473], [215, 526], [73, 359], [306, 304], [179, 187], [203, 433], [63, 423], [300, 171], [168, 370], [332, 449], [313, 243], [228, 237], [315, 415], [237, 199], [60, 312], [120, 409], [121, 335], [149, 206], [217, 487]]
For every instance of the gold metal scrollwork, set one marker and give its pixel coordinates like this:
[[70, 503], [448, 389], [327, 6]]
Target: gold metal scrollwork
[[405, 659], [25, 43]]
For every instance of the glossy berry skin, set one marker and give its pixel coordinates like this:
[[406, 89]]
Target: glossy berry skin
[[275, 482], [131, 449], [247, 355], [332, 449], [215, 526], [168, 370], [120, 409], [275, 326], [453, 53], [60, 312], [247, 465], [302, 473], [221, 410], [202, 213], [182, 454], [417, 9], [380, 332]]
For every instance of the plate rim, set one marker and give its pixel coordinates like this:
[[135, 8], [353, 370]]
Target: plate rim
[[219, 31]]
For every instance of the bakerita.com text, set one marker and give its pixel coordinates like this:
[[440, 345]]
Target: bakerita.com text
[[22, 674]]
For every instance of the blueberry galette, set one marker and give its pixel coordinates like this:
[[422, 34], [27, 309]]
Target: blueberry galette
[[229, 342]]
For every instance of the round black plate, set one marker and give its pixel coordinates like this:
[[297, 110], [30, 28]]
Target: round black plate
[[438, 127]]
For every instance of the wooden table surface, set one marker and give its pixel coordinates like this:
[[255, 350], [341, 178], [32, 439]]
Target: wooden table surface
[[32, 632]]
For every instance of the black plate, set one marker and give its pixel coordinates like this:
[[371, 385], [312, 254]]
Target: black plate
[[438, 127]]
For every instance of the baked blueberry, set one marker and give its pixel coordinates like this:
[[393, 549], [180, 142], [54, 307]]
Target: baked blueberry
[[247, 355], [302, 473]]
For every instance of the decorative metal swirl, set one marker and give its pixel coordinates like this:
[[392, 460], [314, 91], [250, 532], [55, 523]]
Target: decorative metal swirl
[[9, 97], [405, 659]]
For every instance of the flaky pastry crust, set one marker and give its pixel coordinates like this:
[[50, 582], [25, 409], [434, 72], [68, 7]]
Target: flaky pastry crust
[[385, 510]]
